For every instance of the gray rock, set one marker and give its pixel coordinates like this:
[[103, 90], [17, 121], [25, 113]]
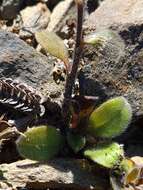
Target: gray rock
[[62, 12], [59, 173], [34, 18], [118, 13], [116, 68], [20, 61], [10, 8]]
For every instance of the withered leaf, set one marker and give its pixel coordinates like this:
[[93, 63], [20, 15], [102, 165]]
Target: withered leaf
[[53, 44]]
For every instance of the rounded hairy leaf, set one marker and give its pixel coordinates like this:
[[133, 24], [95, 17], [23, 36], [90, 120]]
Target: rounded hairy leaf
[[76, 141], [40, 143], [107, 155], [111, 118], [53, 44]]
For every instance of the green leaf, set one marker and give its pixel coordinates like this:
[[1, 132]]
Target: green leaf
[[99, 38], [53, 44], [107, 155], [76, 141], [111, 118], [40, 143]]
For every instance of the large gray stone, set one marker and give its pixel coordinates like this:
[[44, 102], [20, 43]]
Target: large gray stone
[[34, 18], [20, 61], [59, 173], [117, 13], [61, 13], [117, 67]]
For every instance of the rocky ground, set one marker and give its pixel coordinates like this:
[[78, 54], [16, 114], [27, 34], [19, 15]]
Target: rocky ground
[[116, 68]]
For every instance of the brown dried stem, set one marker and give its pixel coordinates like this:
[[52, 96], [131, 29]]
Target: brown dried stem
[[9, 133], [76, 60]]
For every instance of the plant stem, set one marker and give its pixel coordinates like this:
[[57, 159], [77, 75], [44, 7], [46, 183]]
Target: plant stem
[[76, 60]]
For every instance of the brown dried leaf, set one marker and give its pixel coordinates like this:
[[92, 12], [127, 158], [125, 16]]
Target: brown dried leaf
[[133, 168], [20, 97], [3, 123], [81, 107]]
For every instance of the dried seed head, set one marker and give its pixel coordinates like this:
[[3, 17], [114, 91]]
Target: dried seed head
[[21, 97]]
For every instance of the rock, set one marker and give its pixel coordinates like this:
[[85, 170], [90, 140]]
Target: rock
[[34, 18], [117, 13], [59, 173], [20, 61], [116, 67], [10, 8], [62, 12]]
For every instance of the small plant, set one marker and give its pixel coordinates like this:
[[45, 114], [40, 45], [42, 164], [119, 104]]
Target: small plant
[[107, 121], [80, 117]]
